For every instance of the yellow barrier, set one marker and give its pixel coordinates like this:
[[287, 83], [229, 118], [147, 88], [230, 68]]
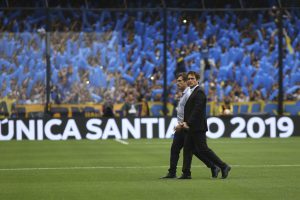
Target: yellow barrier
[[7, 108]]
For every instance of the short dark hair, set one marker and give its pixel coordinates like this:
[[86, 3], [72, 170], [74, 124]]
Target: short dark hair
[[183, 75], [193, 73]]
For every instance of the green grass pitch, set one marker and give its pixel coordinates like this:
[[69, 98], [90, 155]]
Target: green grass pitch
[[267, 169]]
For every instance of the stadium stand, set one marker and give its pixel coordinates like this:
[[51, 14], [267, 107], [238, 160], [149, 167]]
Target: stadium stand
[[102, 55]]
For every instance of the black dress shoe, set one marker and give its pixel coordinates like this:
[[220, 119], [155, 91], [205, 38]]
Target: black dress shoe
[[225, 171], [184, 176], [215, 172], [168, 176]]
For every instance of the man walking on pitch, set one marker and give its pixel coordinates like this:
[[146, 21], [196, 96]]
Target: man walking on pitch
[[179, 135], [196, 125]]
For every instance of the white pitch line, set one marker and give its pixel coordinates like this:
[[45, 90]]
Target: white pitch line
[[135, 167], [122, 141], [264, 166], [218, 142], [70, 168]]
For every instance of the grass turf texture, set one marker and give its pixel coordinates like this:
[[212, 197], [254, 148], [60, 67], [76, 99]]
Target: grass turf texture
[[106, 169]]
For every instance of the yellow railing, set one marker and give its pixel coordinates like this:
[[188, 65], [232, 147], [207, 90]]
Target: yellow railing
[[8, 108]]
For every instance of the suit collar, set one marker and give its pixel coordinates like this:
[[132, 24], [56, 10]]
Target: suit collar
[[195, 88]]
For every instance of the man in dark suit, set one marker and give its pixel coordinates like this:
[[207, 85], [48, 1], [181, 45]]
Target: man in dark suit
[[196, 125], [178, 140]]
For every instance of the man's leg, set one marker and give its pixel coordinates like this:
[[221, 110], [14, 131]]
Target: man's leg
[[187, 156], [202, 149], [204, 159], [176, 147]]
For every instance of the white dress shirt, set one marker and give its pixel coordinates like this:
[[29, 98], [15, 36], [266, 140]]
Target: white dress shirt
[[183, 99]]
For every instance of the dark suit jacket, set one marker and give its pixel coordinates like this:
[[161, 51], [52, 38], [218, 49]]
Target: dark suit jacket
[[195, 111]]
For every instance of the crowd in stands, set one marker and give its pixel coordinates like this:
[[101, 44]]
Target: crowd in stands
[[106, 56]]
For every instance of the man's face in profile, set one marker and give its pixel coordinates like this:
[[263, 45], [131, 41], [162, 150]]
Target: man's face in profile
[[181, 84]]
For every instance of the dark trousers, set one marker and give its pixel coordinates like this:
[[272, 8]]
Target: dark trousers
[[177, 145], [195, 142]]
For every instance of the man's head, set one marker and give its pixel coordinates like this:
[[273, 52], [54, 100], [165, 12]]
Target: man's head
[[192, 78], [181, 81]]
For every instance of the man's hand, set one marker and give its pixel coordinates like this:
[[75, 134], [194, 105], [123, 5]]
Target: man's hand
[[178, 127], [185, 125]]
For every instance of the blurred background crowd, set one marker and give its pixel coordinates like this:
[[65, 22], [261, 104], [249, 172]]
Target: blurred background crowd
[[116, 56]]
